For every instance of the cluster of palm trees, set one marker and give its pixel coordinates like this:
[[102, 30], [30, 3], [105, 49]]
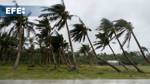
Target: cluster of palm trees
[[56, 49]]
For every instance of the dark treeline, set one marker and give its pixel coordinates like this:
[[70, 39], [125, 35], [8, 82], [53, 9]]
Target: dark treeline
[[41, 59], [22, 44]]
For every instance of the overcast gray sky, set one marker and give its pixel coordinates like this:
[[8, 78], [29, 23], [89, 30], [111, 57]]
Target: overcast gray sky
[[92, 11]]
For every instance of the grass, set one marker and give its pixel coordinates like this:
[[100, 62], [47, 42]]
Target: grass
[[84, 72]]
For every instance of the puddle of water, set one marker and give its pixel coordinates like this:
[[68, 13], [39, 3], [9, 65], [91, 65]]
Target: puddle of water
[[75, 81]]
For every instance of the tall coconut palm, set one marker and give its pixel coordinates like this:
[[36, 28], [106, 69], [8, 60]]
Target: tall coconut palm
[[58, 14], [80, 32], [19, 23], [110, 28], [63, 47], [129, 28], [58, 47], [104, 41], [45, 35], [65, 50]]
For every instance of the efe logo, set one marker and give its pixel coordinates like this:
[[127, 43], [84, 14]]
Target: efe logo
[[15, 10]]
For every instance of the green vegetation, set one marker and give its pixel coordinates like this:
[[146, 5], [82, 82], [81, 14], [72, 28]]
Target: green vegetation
[[84, 72]]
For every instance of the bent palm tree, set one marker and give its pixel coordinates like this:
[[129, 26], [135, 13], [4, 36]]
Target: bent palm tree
[[45, 35], [80, 32], [129, 28], [110, 28], [105, 41], [60, 16]]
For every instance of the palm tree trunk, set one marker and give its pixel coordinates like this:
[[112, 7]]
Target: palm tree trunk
[[62, 57], [52, 53], [32, 57], [46, 55], [89, 57], [143, 54], [3, 55], [74, 59], [130, 61], [51, 48], [20, 35], [92, 48], [54, 59], [65, 57], [115, 68], [117, 57]]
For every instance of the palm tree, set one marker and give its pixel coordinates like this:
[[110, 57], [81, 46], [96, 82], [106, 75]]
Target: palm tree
[[129, 28], [58, 47], [111, 28], [31, 51], [45, 36], [20, 23], [80, 32], [60, 16], [104, 41], [65, 50], [85, 49]]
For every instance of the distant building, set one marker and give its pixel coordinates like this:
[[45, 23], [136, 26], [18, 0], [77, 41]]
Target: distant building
[[114, 62]]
